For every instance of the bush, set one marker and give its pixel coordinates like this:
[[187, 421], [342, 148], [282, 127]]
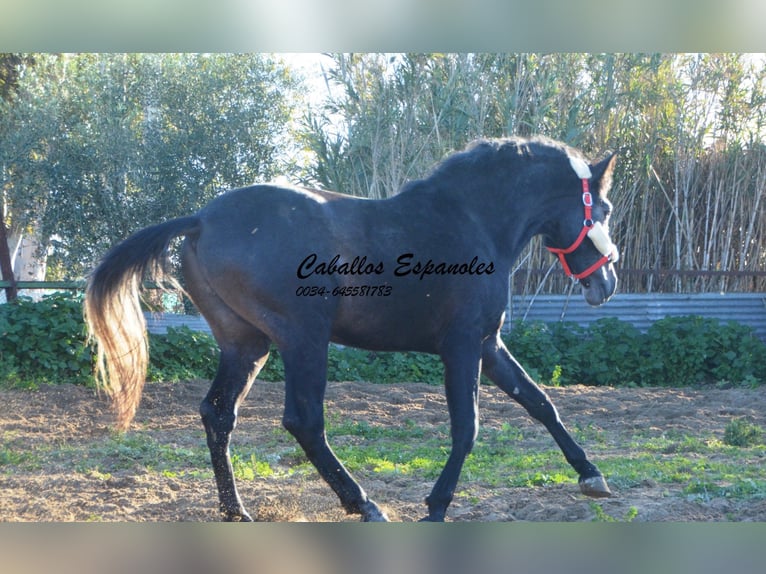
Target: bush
[[741, 433], [533, 344], [690, 350], [45, 342], [349, 364], [608, 352], [675, 351], [182, 353], [735, 354]]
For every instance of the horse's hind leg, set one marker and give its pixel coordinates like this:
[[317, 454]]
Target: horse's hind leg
[[244, 351], [305, 383], [239, 364], [502, 369]]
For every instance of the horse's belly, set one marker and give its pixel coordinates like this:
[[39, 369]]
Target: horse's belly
[[379, 325]]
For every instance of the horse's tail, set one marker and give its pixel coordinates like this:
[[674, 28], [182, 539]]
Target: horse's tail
[[113, 311]]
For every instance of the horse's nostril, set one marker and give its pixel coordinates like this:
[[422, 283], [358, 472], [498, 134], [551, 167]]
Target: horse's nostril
[[585, 282]]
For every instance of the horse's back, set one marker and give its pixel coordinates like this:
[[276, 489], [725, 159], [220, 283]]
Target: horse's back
[[361, 283]]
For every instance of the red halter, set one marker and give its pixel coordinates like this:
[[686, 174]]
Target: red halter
[[587, 225]]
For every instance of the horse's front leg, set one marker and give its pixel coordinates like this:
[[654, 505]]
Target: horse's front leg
[[305, 383], [502, 369], [461, 379]]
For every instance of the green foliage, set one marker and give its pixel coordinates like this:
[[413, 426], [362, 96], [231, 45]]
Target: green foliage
[[182, 353], [734, 353], [349, 364], [689, 350], [533, 346], [607, 353], [44, 342], [274, 369], [602, 516], [404, 112], [96, 146], [250, 468], [675, 351], [739, 432]]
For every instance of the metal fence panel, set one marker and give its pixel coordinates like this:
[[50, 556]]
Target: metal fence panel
[[641, 310]]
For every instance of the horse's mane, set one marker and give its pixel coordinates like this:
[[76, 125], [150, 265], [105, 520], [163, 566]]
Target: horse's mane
[[486, 152], [483, 150]]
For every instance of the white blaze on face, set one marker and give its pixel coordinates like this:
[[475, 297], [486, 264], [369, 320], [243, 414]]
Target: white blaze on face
[[598, 234]]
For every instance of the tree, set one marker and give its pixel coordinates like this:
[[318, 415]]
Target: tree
[[689, 129], [103, 144], [11, 66]]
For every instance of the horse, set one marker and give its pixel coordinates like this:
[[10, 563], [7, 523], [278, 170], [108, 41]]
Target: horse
[[426, 270]]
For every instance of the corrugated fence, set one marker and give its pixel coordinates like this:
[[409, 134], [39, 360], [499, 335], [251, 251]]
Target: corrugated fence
[[641, 310]]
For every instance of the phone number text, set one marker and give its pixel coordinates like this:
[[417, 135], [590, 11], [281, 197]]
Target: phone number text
[[345, 291]]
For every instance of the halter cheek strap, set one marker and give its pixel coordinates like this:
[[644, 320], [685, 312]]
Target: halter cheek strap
[[597, 234]]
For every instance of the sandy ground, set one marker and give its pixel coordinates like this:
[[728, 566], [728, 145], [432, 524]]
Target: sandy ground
[[61, 419]]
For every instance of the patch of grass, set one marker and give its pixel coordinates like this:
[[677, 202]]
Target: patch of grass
[[734, 487], [740, 432], [13, 457], [497, 465], [710, 468], [424, 461], [97, 474], [589, 433], [250, 467], [131, 451], [500, 458], [389, 449], [546, 479], [496, 460], [602, 516], [408, 430], [665, 444], [507, 433], [11, 380]]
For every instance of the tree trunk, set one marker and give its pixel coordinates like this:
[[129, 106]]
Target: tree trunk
[[5, 264]]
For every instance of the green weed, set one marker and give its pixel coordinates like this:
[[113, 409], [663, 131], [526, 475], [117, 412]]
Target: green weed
[[602, 516], [739, 432], [12, 457], [250, 468]]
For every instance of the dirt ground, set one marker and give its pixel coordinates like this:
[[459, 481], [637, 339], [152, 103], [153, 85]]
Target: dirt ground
[[69, 417]]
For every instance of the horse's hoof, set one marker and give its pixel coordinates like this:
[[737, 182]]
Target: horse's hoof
[[372, 513], [242, 516], [379, 517], [595, 487]]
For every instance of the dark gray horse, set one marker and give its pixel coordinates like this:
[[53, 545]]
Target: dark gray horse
[[426, 270]]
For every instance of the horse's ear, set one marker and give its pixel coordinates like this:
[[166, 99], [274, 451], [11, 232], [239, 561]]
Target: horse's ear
[[602, 173]]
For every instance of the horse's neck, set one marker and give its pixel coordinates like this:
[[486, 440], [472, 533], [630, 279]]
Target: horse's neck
[[510, 218]]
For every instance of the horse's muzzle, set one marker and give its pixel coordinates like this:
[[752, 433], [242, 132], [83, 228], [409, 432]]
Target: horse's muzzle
[[599, 286]]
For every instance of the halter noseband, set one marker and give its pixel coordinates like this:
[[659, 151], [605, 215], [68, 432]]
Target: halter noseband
[[591, 229]]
